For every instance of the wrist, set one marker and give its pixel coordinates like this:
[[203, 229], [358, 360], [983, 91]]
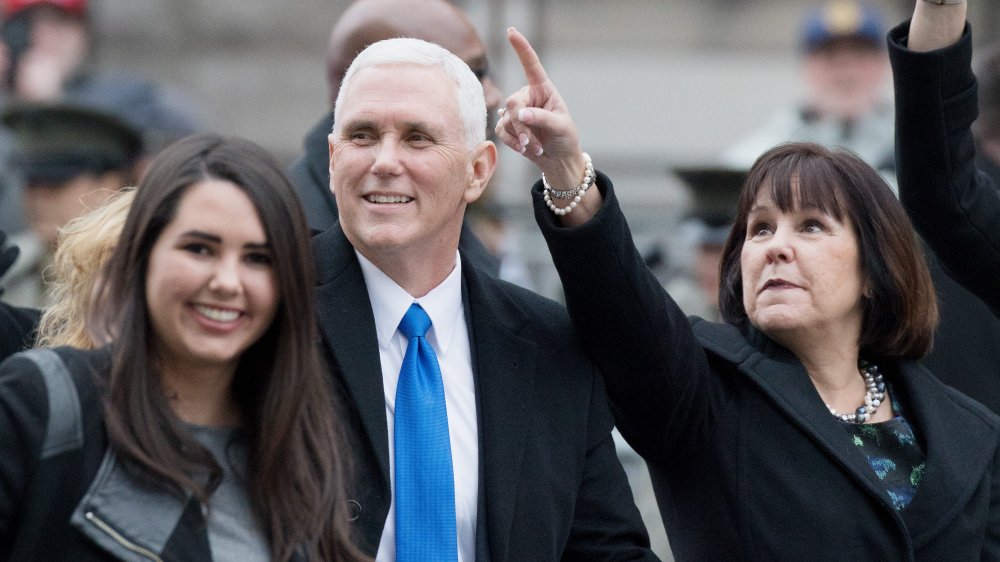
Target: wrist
[[564, 173], [562, 201]]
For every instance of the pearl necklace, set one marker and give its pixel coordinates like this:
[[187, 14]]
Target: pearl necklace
[[874, 395]]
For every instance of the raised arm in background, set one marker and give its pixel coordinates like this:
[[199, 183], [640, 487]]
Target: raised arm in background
[[955, 207]]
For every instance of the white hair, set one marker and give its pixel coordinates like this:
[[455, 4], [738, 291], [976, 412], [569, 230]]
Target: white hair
[[404, 50]]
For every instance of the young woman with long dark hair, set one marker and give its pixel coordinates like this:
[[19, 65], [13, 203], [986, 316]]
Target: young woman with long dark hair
[[207, 427]]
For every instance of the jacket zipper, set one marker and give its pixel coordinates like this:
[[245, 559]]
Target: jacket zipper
[[118, 538]]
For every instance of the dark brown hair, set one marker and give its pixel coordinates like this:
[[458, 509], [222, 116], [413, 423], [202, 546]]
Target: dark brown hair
[[296, 468], [900, 314]]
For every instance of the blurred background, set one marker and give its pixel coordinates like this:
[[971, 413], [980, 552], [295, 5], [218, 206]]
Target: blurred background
[[673, 99], [652, 84]]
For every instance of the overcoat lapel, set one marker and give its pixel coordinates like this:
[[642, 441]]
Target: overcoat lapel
[[504, 367], [342, 299], [945, 427], [783, 379], [941, 426]]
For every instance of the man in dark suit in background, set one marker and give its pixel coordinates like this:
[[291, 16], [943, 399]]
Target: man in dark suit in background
[[535, 476], [363, 23]]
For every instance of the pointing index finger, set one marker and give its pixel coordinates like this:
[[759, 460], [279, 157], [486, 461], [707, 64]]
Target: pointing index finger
[[533, 70]]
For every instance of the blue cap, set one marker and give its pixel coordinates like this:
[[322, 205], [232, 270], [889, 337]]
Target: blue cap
[[842, 19]]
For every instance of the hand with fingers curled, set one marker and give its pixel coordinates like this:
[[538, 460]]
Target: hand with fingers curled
[[535, 122]]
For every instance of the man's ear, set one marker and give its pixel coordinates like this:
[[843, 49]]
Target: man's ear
[[484, 163]]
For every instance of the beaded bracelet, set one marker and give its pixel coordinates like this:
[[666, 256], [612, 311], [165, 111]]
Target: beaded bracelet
[[575, 193]]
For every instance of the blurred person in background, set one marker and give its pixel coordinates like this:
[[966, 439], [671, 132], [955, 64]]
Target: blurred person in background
[[967, 342], [84, 247], [846, 103], [85, 244], [713, 193], [72, 159], [46, 56], [363, 23], [489, 221], [948, 158]]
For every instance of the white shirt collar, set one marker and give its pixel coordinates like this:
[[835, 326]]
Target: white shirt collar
[[390, 302]]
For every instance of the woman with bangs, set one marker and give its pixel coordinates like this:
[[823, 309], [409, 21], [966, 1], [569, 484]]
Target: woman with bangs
[[802, 427]]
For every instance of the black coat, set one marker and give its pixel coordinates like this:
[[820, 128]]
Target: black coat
[[17, 325], [550, 484], [310, 175], [967, 342], [966, 348], [745, 458], [17, 329], [44, 496], [954, 206]]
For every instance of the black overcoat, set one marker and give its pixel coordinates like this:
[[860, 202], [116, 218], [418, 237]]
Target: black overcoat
[[746, 460]]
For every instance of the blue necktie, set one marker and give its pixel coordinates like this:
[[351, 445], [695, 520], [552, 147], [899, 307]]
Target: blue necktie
[[425, 484]]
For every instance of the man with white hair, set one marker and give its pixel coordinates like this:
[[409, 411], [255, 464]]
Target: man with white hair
[[364, 22], [480, 430]]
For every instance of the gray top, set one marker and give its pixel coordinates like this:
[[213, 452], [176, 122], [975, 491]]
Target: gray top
[[234, 530]]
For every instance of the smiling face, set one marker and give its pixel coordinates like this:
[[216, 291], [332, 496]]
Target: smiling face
[[801, 273], [210, 289], [400, 166]]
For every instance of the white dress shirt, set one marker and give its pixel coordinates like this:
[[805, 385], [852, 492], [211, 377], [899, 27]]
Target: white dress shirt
[[449, 336]]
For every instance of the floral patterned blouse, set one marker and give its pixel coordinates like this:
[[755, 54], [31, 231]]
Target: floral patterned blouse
[[893, 454]]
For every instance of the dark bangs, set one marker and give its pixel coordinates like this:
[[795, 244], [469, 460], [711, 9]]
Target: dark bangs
[[803, 181]]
